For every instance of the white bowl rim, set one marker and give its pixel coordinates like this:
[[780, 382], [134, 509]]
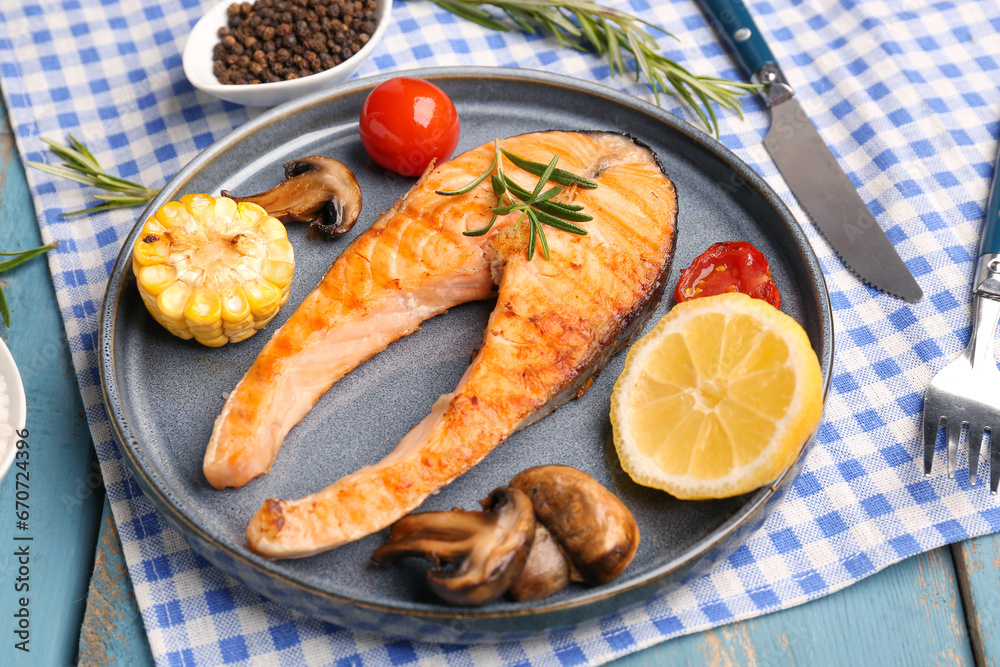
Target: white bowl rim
[[202, 77], [17, 407]]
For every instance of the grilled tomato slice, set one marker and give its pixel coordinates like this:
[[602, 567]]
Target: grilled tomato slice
[[729, 266]]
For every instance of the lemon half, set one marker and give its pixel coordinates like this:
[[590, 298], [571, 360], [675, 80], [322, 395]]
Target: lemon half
[[718, 399]]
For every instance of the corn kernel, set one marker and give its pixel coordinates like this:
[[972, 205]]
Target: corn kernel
[[243, 335], [204, 309], [230, 327], [271, 228], [153, 226], [206, 331], [173, 214], [277, 273], [225, 223], [172, 300], [202, 336], [250, 213], [261, 322], [280, 250], [235, 307], [151, 249], [240, 333], [225, 207], [201, 207], [154, 279], [212, 341], [239, 325], [263, 298]]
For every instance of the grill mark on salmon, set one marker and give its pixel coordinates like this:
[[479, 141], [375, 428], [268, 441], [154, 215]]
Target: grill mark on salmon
[[555, 325]]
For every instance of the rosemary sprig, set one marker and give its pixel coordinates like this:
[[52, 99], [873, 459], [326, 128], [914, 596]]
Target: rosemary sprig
[[81, 166], [557, 175], [19, 257], [537, 206], [587, 26]]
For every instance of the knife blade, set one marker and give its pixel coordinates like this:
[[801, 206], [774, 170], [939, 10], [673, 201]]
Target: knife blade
[[808, 166]]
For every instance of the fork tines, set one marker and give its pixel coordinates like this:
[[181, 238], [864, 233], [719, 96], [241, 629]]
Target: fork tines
[[966, 394]]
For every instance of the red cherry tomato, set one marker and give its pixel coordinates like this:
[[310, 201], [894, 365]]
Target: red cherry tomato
[[406, 123], [731, 266]]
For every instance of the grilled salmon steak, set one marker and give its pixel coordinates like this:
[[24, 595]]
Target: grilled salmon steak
[[555, 325]]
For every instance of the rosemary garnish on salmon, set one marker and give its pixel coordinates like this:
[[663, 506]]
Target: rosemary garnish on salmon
[[537, 207]]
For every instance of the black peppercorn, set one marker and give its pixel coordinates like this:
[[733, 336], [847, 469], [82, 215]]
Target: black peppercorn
[[275, 40]]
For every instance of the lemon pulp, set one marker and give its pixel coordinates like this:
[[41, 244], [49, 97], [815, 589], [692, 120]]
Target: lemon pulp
[[718, 399]]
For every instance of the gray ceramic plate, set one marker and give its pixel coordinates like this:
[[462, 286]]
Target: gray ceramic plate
[[164, 393]]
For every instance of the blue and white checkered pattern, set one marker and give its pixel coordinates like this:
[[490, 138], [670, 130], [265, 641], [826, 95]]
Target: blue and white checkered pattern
[[904, 92]]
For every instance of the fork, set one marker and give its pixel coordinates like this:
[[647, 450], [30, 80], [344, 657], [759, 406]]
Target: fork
[[967, 391]]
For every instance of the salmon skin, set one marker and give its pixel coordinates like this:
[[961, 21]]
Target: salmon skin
[[555, 325]]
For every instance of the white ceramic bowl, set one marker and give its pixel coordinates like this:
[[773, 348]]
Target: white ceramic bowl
[[204, 37], [17, 408]]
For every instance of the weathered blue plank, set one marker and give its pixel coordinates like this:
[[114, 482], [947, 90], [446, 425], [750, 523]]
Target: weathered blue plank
[[978, 564], [65, 488], [112, 631], [908, 614]]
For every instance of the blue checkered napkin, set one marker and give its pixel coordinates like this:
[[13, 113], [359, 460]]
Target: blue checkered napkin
[[904, 93]]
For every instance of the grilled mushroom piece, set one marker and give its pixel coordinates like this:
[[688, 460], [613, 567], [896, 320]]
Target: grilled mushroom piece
[[546, 572], [476, 555], [594, 528], [318, 190]]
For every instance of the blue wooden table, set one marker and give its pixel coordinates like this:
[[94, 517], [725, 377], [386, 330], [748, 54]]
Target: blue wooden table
[[934, 608]]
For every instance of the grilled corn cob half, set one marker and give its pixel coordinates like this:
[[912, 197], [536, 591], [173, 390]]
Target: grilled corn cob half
[[211, 269]]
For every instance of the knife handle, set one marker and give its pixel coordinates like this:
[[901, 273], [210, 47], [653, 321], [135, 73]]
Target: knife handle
[[987, 279], [732, 19], [990, 244]]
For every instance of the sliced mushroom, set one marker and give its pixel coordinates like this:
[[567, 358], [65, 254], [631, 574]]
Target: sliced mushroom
[[594, 528], [476, 555], [545, 573], [318, 190]]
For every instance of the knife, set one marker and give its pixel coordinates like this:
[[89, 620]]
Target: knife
[[809, 167]]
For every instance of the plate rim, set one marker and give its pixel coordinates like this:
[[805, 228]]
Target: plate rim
[[165, 501]]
